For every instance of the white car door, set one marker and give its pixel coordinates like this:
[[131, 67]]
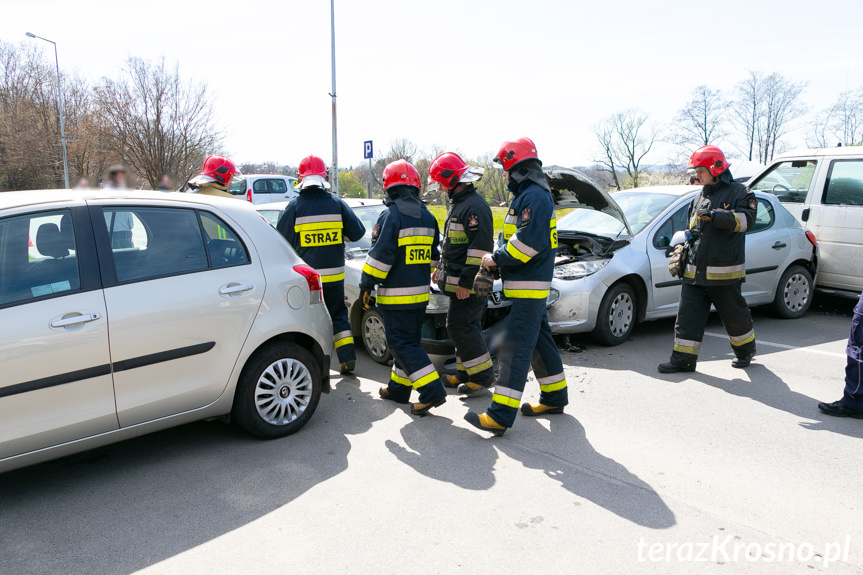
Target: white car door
[[837, 220], [768, 247], [56, 383], [181, 301]]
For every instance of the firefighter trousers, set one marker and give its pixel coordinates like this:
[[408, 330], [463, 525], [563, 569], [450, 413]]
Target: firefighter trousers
[[692, 314], [528, 343], [334, 299], [464, 326], [412, 368], [853, 395]]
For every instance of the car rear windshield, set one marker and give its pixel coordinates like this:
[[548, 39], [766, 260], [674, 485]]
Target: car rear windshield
[[238, 188]]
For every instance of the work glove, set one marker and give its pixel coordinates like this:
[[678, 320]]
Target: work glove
[[483, 283], [367, 300], [704, 216]]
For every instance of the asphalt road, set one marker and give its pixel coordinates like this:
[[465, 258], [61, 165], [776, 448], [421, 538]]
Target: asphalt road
[[719, 471]]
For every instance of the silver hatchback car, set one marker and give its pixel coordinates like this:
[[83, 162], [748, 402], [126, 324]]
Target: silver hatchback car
[[611, 269], [126, 313]]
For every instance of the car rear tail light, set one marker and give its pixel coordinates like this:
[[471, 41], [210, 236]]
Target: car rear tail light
[[811, 237], [249, 196], [313, 278]]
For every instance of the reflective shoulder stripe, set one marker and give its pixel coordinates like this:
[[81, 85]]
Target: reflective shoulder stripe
[[416, 232], [416, 240], [318, 226], [317, 219]]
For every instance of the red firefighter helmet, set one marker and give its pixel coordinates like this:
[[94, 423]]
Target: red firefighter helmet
[[312, 166], [401, 172], [447, 170], [709, 157], [220, 169], [511, 153]]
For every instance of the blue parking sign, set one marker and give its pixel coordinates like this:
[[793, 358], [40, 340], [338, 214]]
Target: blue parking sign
[[367, 150]]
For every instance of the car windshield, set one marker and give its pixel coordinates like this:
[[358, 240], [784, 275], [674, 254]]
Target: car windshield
[[272, 216], [640, 208], [368, 215]]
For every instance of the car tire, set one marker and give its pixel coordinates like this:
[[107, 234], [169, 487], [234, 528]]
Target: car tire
[[278, 391], [375, 337], [617, 315], [793, 293]]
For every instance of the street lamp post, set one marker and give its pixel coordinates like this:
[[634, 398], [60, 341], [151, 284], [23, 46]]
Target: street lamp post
[[60, 107], [335, 171]]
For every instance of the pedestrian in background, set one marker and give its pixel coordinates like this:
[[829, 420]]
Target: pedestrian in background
[[715, 268], [404, 249], [165, 184], [467, 238], [317, 224], [525, 256], [851, 404]]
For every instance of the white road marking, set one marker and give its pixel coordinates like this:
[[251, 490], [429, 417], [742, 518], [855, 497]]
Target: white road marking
[[782, 345]]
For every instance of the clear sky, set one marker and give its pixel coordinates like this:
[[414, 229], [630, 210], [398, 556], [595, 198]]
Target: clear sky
[[460, 74]]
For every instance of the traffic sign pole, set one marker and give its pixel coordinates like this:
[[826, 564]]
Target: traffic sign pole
[[368, 153]]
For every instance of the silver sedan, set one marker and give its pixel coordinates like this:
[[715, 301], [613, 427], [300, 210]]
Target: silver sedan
[[612, 264]]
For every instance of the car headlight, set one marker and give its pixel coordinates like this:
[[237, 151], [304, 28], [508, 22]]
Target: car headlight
[[553, 297], [578, 270], [438, 302]]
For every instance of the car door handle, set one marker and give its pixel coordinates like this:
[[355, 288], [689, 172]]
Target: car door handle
[[232, 289], [779, 245], [84, 318]]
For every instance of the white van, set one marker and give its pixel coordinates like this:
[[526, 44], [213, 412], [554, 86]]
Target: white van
[[824, 190], [265, 188]]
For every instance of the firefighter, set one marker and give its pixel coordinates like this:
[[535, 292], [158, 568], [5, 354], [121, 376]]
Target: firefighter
[[851, 404], [467, 238], [404, 249], [525, 257], [317, 224], [715, 267], [215, 177]]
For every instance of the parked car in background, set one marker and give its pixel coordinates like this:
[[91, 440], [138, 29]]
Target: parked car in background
[[264, 188], [824, 190], [612, 264], [132, 312]]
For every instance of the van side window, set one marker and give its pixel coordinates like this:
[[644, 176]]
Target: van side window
[[37, 256], [789, 181], [278, 186], [844, 184]]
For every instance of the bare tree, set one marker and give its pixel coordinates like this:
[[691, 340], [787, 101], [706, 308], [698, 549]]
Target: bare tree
[[763, 111], [841, 123], [701, 121], [161, 124], [492, 186], [626, 138]]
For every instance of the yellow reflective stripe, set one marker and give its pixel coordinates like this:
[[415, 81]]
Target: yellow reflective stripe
[[344, 341], [526, 293], [374, 272], [689, 346], [509, 230], [425, 240], [478, 368], [318, 226], [549, 387], [333, 278], [400, 380], [427, 379], [401, 299], [724, 276], [742, 339], [684, 349], [515, 252], [507, 401], [472, 261]]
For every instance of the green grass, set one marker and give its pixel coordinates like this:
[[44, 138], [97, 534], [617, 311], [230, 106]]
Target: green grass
[[497, 214]]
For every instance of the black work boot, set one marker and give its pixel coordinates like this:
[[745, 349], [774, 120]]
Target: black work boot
[[741, 362], [670, 367], [838, 409]]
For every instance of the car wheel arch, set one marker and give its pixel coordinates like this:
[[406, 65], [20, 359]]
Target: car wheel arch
[[304, 341], [638, 286]]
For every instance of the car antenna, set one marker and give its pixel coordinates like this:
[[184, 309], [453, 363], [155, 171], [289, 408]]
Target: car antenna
[[186, 183]]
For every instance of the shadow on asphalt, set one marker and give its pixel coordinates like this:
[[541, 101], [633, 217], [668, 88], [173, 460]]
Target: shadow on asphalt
[[441, 451], [123, 507]]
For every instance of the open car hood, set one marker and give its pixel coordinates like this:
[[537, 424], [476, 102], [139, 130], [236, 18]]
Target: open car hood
[[573, 189]]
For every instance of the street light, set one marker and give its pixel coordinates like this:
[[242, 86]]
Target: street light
[[60, 107], [335, 183]]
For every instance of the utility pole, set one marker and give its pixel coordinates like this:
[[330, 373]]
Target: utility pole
[[334, 183], [60, 105]]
